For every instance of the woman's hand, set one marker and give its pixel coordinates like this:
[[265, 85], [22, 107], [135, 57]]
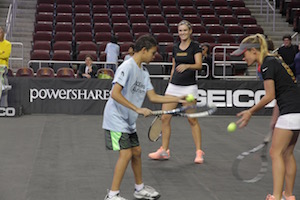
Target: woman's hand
[[181, 68], [245, 117]]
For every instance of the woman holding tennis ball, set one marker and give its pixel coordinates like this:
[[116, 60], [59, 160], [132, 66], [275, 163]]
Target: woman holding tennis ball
[[279, 84], [187, 58]]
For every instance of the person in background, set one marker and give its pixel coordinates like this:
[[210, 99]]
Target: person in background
[[5, 50], [87, 70], [130, 52], [130, 86], [297, 64], [206, 57], [112, 51], [187, 58], [279, 84], [288, 51]]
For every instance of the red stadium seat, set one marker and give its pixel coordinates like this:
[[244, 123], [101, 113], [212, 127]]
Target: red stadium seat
[[118, 10], [121, 28], [202, 3], [102, 27], [185, 3], [99, 2], [151, 3], [226, 38], [83, 27], [205, 37], [135, 10], [100, 9], [63, 27], [168, 2], [87, 46], [124, 37], [62, 45], [25, 71], [64, 8], [41, 45], [65, 73], [45, 72], [156, 19], [153, 10], [82, 9]]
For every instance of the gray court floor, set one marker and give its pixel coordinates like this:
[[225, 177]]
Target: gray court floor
[[62, 157]]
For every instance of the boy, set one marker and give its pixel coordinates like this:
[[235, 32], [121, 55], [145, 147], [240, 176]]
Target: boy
[[130, 86]]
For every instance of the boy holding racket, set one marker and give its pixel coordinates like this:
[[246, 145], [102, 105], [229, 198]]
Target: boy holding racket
[[130, 86]]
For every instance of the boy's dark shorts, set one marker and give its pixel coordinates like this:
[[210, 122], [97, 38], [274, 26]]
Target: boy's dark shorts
[[117, 140]]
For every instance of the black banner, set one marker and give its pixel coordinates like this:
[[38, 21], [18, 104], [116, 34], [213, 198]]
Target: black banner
[[88, 96]]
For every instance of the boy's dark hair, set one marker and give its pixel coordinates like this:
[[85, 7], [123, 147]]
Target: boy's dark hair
[[287, 37], [145, 41], [89, 56], [132, 46], [114, 39]]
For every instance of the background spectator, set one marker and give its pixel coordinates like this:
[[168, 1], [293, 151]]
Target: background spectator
[[112, 51], [297, 64], [288, 51], [130, 52], [87, 70]]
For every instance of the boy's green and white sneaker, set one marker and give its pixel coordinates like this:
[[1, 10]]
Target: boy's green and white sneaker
[[147, 192], [116, 197]]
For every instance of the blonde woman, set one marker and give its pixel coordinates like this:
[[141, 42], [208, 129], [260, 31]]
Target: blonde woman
[[187, 58], [279, 84]]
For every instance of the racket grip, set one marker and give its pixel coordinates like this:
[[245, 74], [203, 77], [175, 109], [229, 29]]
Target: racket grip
[[157, 112]]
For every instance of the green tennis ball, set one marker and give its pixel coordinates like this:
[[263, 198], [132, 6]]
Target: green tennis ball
[[231, 127], [189, 98]]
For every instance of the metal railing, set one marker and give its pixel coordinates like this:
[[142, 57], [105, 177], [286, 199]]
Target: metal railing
[[21, 59], [226, 63], [10, 19], [268, 7]]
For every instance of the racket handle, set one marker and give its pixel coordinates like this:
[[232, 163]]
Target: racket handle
[[157, 112]]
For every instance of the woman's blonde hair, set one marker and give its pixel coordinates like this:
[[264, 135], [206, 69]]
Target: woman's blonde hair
[[263, 46], [185, 22]]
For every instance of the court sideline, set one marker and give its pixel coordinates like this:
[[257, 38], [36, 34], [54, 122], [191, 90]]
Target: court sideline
[[62, 157]]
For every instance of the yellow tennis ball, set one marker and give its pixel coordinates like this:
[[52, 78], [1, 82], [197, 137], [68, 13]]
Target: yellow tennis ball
[[231, 127], [189, 98]]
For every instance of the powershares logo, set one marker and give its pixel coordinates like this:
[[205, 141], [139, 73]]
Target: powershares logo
[[229, 98], [68, 94]]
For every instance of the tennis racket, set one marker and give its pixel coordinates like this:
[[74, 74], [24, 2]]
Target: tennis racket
[[154, 132], [251, 166]]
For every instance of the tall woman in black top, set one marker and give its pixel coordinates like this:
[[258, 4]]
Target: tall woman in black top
[[279, 84], [187, 58]]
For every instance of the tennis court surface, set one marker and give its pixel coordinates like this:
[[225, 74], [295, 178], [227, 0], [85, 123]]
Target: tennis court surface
[[63, 157]]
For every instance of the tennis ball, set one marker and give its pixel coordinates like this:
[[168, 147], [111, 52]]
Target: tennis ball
[[189, 98], [231, 127]]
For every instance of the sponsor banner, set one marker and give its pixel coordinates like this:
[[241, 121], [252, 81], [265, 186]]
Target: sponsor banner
[[88, 96], [10, 111]]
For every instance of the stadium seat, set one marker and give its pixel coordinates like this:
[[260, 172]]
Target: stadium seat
[[10, 73], [135, 10], [45, 8], [226, 38], [105, 73], [156, 19], [83, 27], [171, 10], [235, 30], [42, 45], [118, 10], [101, 18], [236, 3], [205, 37], [173, 19], [121, 28], [216, 30], [62, 55], [206, 12], [64, 8], [219, 3], [198, 29], [115, 2], [82, 9], [193, 19], [44, 18], [82, 55], [224, 11], [42, 36], [63, 36], [65, 73], [185, 3], [140, 28], [164, 39], [253, 30], [229, 21], [62, 45], [185, 11], [43, 27], [45, 72], [39, 55], [168, 3], [100, 9], [135, 19], [202, 3], [25, 71], [64, 17], [87, 46], [241, 12], [45, 2], [124, 37], [102, 27], [69, 2], [134, 2], [151, 3], [63, 27], [102, 37], [83, 37], [81, 2], [119, 19], [82, 18], [153, 10], [211, 21], [248, 21], [157, 29], [99, 2]]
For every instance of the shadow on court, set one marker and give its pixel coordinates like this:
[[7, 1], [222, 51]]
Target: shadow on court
[[63, 157]]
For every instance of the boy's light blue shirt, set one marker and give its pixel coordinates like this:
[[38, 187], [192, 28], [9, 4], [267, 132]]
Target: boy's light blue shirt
[[136, 82]]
